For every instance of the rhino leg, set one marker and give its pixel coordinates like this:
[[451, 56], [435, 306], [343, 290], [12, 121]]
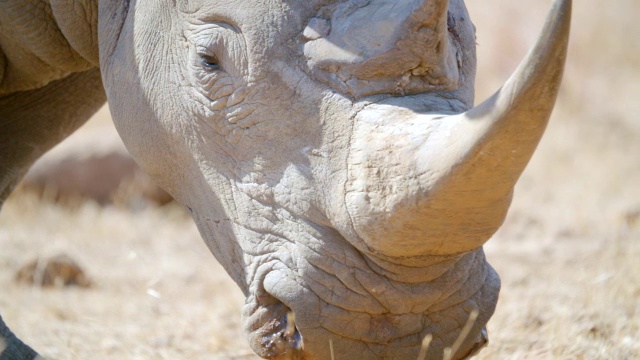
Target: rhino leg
[[11, 348], [31, 123]]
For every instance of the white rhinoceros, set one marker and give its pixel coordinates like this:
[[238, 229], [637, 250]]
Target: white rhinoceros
[[328, 150]]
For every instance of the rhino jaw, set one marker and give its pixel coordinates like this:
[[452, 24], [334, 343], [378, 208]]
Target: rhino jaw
[[428, 181]]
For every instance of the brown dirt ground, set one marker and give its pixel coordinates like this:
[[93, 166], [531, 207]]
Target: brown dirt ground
[[568, 252]]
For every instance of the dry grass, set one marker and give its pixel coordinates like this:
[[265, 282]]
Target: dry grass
[[157, 292], [568, 253]]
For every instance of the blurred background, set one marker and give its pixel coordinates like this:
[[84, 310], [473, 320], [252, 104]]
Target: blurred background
[[148, 288]]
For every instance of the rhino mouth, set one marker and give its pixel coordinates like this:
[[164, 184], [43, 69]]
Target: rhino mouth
[[287, 340], [309, 320], [271, 326]]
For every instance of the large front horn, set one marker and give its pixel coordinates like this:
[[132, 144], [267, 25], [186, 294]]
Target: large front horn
[[424, 184]]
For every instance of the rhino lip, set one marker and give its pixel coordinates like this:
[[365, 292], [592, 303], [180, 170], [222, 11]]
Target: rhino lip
[[270, 323], [287, 340], [272, 330]]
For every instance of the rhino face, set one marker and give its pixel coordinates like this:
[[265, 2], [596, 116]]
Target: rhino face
[[329, 154]]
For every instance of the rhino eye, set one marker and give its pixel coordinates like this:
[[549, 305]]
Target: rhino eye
[[209, 61]]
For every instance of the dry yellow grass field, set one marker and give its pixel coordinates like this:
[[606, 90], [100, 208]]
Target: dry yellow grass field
[[568, 254]]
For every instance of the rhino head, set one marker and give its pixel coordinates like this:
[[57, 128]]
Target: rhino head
[[331, 156]]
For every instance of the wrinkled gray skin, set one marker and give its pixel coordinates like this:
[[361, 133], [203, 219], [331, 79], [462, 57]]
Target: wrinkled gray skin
[[327, 150]]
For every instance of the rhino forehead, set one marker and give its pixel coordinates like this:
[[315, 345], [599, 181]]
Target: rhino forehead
[[272, 19]]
